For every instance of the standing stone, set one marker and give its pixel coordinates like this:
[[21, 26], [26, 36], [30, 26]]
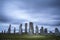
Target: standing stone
[[36, 29], [41, 30], [31, 29], [25, 28], [14, 30], [51, 33], [2, 32], [20, 29], [9, 29], [56, 31], [45, 31]]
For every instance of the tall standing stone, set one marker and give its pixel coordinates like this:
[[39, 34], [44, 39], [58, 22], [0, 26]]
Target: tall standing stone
[[14, 30], [56, 31], [31, 29], [41, 30], [2, 32], [20, 29], [36, 29], [9, 29], [25, 28]]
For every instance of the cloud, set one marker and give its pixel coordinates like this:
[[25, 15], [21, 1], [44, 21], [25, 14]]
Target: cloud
[[43, 12], [38, 4]]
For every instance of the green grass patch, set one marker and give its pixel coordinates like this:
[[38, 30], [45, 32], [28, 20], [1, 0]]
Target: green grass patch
[[28, 37]]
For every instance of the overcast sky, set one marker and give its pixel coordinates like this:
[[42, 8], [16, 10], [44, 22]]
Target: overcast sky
[[41, 12]]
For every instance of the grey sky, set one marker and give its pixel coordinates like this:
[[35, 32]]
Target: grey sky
[[41, 12]]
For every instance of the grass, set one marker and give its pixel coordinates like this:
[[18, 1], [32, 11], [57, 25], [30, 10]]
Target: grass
[[28, 37]]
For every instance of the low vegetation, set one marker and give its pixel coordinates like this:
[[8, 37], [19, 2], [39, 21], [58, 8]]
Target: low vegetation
[[28, 37]]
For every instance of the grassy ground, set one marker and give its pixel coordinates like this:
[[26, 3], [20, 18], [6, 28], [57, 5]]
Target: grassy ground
[[27, 37]]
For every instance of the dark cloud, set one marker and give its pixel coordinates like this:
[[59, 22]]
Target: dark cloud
[[4, 19], [50, 7], [56, 18], [38, 4], [47, 24]]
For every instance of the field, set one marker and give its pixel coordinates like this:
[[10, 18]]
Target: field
[[28, 37]]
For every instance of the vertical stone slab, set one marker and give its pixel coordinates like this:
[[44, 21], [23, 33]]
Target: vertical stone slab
[[31, 29], [36, 30], [9, 29], [25, 28], [20, 29]]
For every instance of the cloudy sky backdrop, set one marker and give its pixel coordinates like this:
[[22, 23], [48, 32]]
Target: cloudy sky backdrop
[[41, 12]]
